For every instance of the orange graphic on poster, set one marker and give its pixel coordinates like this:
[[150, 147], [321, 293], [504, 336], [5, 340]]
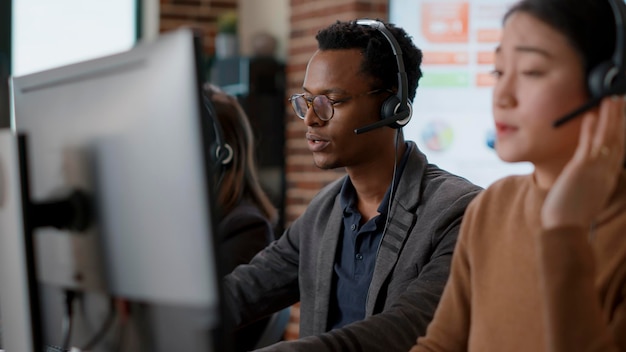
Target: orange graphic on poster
[[485, 58], [445, 58], [445, 22], [488, 35], [485, 80]]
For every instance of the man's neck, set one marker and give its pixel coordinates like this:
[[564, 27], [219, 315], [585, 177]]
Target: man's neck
[[371, 182]]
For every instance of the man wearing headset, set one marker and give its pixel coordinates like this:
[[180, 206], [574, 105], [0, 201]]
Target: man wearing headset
[[370, 256]]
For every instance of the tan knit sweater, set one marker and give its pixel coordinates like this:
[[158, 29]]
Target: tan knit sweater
[[515, 287]]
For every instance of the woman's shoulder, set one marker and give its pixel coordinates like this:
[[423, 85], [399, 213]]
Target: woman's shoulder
[[503, 189], [244, 214], [510, 182]]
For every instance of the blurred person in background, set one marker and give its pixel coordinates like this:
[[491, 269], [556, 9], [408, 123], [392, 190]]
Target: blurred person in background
[[247, 216]]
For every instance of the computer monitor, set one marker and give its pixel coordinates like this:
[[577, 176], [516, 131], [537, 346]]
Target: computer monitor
[[126, 133], [16, 269]]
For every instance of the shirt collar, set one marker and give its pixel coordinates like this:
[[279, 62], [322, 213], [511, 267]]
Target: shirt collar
[[347, 194]]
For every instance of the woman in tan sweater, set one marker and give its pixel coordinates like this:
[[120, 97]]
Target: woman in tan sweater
[[540, 264]]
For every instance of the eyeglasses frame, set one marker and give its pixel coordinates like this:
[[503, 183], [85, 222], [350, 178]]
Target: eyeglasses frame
[[309, 101]]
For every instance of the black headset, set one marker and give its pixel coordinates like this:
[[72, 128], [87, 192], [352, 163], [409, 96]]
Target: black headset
[[396, 110], [221, 152], [609, 77]]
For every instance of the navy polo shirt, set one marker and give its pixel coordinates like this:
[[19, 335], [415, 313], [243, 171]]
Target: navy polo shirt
[[356, 254]]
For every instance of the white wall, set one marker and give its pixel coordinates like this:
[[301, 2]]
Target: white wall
[[48, 34], [264, 15]]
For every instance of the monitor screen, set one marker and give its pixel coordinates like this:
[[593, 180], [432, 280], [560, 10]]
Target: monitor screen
[[126, 131]]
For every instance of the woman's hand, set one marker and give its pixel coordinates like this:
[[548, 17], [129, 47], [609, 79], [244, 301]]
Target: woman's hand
[[584, 186]]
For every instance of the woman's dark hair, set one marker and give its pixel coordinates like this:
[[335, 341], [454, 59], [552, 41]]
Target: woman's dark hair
[[378, 59], [589, 25]]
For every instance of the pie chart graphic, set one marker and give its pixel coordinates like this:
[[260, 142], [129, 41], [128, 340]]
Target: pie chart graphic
[[490, 139], [437, 136]]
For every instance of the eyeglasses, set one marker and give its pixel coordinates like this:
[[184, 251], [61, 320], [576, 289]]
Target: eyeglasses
[[323, 106]]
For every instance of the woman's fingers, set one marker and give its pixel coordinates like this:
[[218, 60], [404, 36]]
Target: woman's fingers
[[608, 136]]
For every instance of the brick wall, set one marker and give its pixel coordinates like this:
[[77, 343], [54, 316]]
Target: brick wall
[[198, 14], [303, 179]]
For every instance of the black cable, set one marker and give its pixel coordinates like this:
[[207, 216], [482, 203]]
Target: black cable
[[392, 191], [68, 319], [123, 308], [106, 325]]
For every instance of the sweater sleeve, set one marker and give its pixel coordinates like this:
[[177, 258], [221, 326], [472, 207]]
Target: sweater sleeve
[[574, 315]]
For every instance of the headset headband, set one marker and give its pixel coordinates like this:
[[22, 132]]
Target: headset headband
[[397, 52]]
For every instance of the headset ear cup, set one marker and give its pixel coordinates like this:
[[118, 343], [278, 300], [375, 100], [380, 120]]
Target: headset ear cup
[[403, 122], [388, 109], [599, 80], [224, 154]]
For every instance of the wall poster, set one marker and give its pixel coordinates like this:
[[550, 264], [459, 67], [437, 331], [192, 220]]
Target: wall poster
[[452, 121]]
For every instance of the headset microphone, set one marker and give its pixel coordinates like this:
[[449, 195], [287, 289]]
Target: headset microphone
[[396, 110], [609, 77], [588, 105], [385, 122], [619, 89]]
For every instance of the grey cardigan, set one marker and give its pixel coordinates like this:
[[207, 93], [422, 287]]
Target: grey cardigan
[[411, 270]]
